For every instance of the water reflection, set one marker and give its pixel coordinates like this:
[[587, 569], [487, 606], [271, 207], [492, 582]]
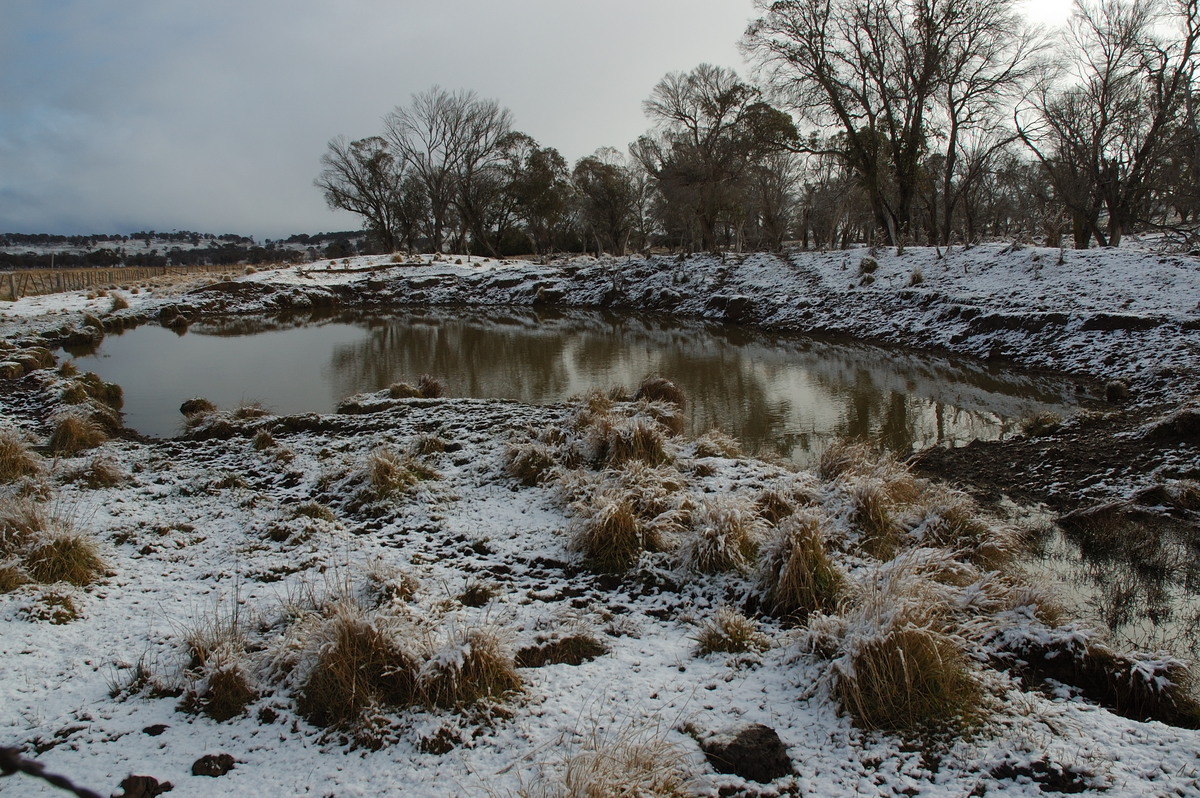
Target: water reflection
[[788, 394]]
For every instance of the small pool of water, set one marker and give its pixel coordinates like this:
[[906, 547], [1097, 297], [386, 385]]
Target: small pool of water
[[784, 393]]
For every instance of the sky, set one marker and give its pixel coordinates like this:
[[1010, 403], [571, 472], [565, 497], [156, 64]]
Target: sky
[[125, 115]]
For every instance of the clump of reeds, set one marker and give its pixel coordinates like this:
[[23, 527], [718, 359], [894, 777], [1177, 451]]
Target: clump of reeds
[[65, 556], [610, 537], [715, 443]]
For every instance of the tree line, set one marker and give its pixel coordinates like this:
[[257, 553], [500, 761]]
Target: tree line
[[884, 121]]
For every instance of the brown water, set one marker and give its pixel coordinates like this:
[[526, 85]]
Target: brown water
[[774, 392]]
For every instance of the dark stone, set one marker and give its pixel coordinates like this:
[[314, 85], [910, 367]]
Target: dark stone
[[212, 765], [143, 787], [753, 751], [155, 730]]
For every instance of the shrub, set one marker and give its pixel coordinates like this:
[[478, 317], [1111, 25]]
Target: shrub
[[358, 663], [16, 461], [74, 432], [797, 576], [472, 665], [660, 389], [65, 557], [726, 536], [910, 679], [729, 632]]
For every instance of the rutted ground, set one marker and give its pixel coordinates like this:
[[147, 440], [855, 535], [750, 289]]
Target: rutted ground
[[464, 542]]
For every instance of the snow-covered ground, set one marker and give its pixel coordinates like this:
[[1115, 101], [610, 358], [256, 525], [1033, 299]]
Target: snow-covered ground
[[200, 532]]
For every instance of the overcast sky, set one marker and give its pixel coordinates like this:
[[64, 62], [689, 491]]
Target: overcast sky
[[126, 115]]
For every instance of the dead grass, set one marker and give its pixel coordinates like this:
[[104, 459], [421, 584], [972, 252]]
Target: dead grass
[[250, 410], [16, 459], [315, 511], [625, 765], [430, 387], [402, 390], [1041, 425], [610, 537], [872, 517], [21, 520], [845, 457], [74, 432], [12, 576], [70, 557], [660, 389], [358, 663], [633, 439], [225, 693], [198, 406], [715, 443], [729, 632], [262, 440], [119, 302], [797, 576], [726, 536], [667, 415], [100, 472], [911, 679], [571, 649], [472, 665], [389, 473], [530, 462]]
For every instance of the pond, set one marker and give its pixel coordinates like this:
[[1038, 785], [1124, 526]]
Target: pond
[[787, 394]]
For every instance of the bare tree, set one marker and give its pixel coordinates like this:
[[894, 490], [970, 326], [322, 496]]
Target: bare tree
[[879, 69], [447, 139], [364, 177], [711, 127], [1105, 137]]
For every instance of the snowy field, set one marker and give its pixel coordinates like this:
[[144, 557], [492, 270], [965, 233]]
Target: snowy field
[[242, 547]]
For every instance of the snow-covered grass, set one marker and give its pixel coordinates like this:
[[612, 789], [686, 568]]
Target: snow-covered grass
[[376, 602]]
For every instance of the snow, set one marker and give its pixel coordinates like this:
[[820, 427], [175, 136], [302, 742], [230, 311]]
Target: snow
[[185, 546]]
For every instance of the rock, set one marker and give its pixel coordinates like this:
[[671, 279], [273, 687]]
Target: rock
[[212, 765], [155, 730], [752, 751], [143, 787]]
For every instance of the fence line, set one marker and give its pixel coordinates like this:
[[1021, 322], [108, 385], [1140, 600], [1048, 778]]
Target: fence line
[[36, 282]]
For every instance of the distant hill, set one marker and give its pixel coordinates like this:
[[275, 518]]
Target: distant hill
[[176, 248]]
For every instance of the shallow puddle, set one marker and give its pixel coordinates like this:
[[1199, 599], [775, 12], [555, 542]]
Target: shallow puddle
[[780, 393]]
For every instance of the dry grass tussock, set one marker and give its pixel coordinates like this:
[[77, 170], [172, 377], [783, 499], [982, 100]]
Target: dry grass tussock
[[726, 536], [530, 461], [952, 520], [389, 473], [43, 547], [610, 536], [16, 459], [845, 457], [797, 576], [660, 389], [471, 664], [613, 440], [729, 632], [899, 661], [715, 443], [778, 501], [359, 661], [427, 387], [628, 763], [74, 433]]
